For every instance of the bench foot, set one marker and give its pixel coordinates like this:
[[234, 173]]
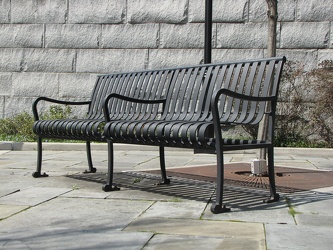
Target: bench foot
[[164, 182], [274, 198], [218, 209], [38, 174], [93, 170], [108, 188]]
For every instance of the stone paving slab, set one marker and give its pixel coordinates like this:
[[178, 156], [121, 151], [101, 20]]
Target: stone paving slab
[[77, 213], [55, 238], [180, 242], [175, 209], [9, 210], [251, 231], [32, 196], [281, 237]]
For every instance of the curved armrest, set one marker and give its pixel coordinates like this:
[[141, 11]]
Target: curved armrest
[[128, 99], [47, 99], [231, 93], [216, 96]]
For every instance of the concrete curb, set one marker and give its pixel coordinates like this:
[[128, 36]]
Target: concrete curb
[[50, 146]]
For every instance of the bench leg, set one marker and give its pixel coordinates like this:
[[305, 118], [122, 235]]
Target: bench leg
[[218, 206], [90, 164], [39, 160], [271, 175], [108, 187], [165, 179]]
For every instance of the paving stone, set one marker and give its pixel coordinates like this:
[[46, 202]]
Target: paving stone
[[161, 241], [78, 213], [298, 237], [175, 209], [277, 213], [32, 196], [200, 228], [9, 210], [129, 194], [55, 238]]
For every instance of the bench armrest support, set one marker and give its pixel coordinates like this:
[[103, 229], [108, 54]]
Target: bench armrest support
[[47, 99], [128, 99]]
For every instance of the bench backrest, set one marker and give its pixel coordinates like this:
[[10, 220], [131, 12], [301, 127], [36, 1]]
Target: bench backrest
[[191, 90], [151, 84]]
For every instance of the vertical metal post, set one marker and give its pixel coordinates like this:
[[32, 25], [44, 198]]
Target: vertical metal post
[[208, 31]]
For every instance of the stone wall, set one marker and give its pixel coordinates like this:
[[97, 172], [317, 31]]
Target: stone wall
[[56, 47]]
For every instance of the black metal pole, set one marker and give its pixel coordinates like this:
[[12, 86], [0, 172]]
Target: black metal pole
[[208, 31]]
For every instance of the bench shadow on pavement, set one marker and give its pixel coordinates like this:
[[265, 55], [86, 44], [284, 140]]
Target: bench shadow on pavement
[[236, 194]]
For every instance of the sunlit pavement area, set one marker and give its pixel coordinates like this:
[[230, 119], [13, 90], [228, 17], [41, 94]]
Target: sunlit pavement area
[[69, 210]]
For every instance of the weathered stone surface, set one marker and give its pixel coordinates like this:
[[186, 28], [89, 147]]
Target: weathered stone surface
[[97, 11], [72, 35], [10, 60], [182, 36], [110, 60], [325, 54], [223, 11], [242, 36], [5, 83], [15, 35], [258, 11], [76, 85], [35, 84], [151, 11], [314, 10], [160, 58], [223, 55], [4, 11], [49, 60], [2, 106], [130, 36], [307, 57], [35, 11], [309, 35]]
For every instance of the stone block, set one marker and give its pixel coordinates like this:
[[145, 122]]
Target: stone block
[[162, 58], [152, 11], [183, 36], [4, 11], [76, 85], [11, 59], [49, 60], [325, 54], [5, 83], [110, 60], [2, 107], [236, 11], [306, 57], [305, 35], [17, 105], [72, 35], [35, 84], [258, 11], [97, 11], [130, 36], [314, 10], [224, 55], [36, 11], [242, 36], [21, 35]]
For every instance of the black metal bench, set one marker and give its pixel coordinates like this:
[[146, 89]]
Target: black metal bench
[[141, 85], [198, 101]]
